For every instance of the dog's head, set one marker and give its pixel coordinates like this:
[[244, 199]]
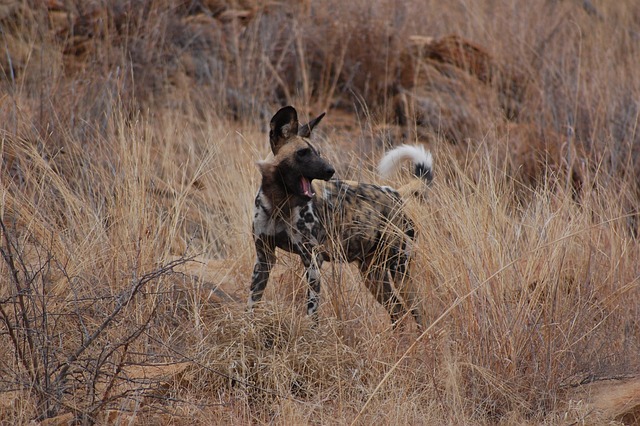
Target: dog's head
[[296, 161]]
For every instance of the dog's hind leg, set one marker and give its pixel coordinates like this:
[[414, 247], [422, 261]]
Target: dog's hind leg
[[410, 297], [399, 267], [378, 282]]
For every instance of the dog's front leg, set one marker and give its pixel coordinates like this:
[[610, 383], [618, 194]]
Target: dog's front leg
[[265, 259], [312, 262]]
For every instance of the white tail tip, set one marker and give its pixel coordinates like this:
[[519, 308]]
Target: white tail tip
[[392, 160]]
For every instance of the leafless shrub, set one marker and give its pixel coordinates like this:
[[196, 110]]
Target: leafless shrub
[[70, 351]]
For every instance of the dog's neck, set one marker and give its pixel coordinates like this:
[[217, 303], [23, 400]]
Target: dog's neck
[[275, 190]]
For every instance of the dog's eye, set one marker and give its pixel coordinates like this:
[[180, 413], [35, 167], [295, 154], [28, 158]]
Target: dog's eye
[[304, 152]]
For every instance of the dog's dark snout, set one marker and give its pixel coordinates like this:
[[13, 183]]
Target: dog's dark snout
[[329, 172]]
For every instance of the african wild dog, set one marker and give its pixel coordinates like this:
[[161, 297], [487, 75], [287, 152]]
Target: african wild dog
[[333, 219]]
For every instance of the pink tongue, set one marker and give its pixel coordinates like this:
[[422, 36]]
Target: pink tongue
[[306, 187]]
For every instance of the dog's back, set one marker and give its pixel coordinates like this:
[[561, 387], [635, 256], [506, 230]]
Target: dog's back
[[361, 219]]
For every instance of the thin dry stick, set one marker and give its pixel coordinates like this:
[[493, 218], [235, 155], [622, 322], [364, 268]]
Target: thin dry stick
[[306, 86], [336, 75], [276, 75]]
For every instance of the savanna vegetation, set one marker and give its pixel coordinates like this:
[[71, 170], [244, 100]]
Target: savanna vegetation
[[129, 133]]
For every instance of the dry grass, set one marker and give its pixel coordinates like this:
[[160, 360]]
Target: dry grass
[[128, 145]]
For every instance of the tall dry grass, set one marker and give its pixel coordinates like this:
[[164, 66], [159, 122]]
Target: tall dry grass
[[129, 139]]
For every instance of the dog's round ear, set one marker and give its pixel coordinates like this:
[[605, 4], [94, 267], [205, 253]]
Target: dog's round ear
[[284, 125], [305, 131]]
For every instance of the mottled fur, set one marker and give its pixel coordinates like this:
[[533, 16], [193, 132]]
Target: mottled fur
[[332, 219]]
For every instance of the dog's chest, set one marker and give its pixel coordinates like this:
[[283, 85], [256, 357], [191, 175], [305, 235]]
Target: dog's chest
[[302, 226]]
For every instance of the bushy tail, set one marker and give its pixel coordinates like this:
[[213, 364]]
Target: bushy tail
[[421, 159]]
